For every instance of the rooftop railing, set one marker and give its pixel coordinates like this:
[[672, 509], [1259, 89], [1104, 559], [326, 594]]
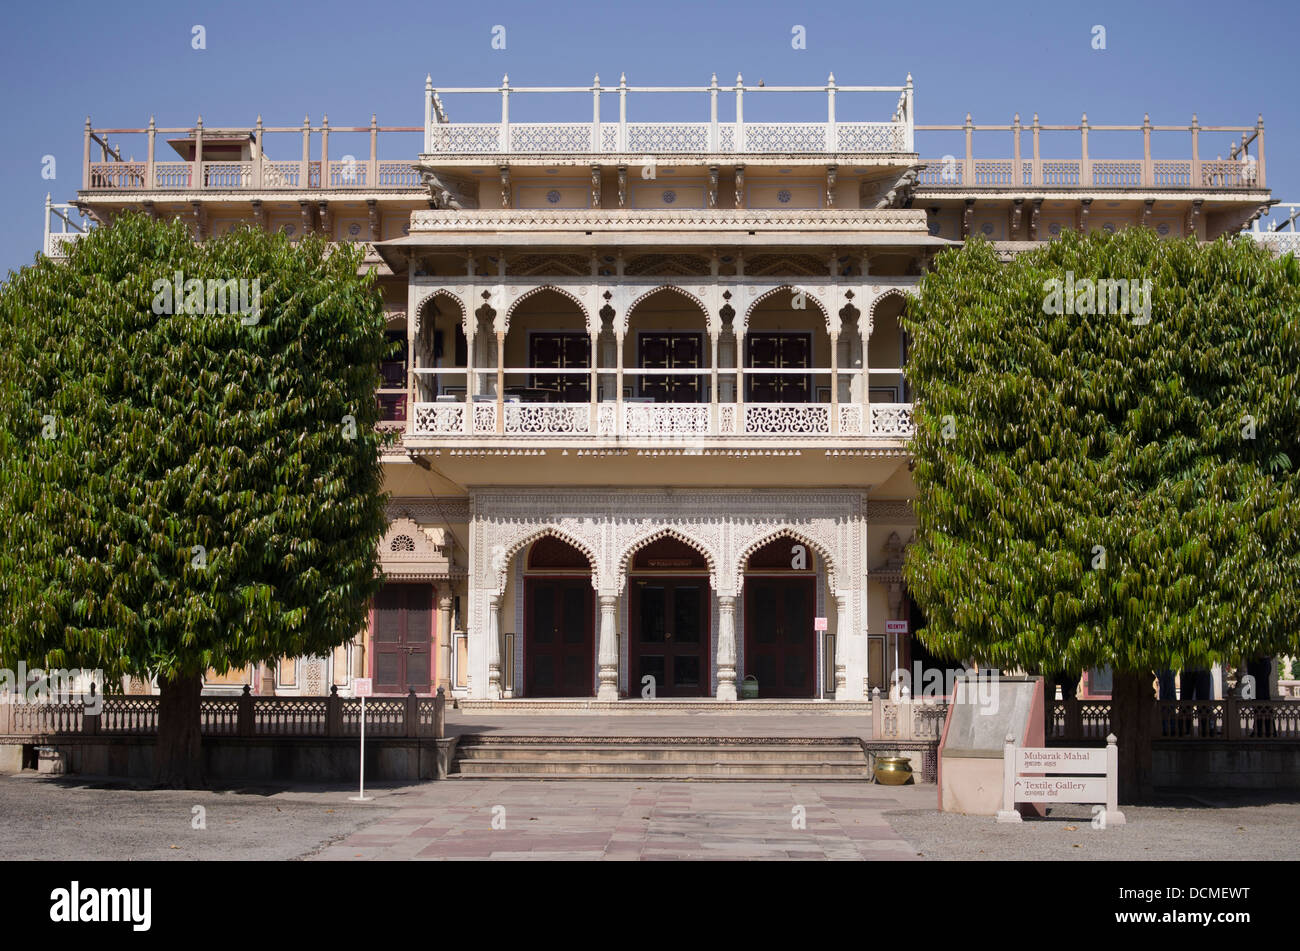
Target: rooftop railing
[[1277, 229], [113, 172], [623, 137], [56, 242], [1241, 169]]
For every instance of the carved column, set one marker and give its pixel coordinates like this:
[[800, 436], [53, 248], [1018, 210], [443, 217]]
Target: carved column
[[842, 625], [726, 647], [494, 647], [444, 643], [607, 654], [740, 186]]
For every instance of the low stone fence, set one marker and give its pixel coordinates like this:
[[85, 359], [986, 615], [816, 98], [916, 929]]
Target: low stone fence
[[332, 716], [1232, 719]]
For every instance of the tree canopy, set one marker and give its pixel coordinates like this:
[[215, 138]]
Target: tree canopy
[[187, 484], [1111, 488]]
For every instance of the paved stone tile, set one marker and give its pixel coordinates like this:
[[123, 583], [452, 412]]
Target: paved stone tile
[[645, 821]]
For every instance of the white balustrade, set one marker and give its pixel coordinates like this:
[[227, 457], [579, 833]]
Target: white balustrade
[[485, 138], [664, 420], [548, 419], [787, 419], [892, 419]]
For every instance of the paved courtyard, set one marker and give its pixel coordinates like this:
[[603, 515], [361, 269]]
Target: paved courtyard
[[78, 820]]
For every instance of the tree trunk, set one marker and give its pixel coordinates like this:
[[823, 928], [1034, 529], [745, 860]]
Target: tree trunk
[[1131, 718], [178, 756]]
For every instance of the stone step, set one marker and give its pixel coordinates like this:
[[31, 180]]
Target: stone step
[[658, 778], [662, 770], [498, 756], [582, 753]]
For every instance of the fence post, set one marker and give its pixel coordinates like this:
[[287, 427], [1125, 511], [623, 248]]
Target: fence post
[[1231, 718], [90, 721], [244, 720], [412, 713], [1073, 719], [7, 714], [1009, 812], [196, 174], [877, 724], [334, 712], [440, 714]]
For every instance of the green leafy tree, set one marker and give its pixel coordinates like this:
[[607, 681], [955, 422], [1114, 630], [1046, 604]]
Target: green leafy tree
[[187, 491], [1108, 488]]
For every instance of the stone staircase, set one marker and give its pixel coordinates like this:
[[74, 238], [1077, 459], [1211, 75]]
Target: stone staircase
[[708, 758]]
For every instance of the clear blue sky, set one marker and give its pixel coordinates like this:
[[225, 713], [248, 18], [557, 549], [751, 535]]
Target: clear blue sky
[[122, 62]]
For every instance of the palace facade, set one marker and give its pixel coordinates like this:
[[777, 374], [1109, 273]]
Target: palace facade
[[652, 391]]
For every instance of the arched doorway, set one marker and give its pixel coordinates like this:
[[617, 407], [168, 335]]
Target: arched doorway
[[780, 606], [559, 621], [668, 621]]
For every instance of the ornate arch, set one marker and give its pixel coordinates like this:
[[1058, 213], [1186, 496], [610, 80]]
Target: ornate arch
[[533, 291], [823, 552], [627, 311], [499, 566], [903, 292], [791, 289], [460, 304], [625, 559]]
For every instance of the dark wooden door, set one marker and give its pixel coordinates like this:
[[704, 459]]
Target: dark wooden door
[[780, 649], [669, 636], [681, 350], [561, 351], [778, 350], [403, 638], [559, 654]]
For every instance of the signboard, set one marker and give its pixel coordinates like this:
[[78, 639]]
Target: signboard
[[1033, 775], [819, 624], [361, 687], [1060, 761], [896, 627], [1060, 789]]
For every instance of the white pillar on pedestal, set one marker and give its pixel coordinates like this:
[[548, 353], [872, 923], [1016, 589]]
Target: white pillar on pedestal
[[494, 647], [842, 633], [607, 654], [727, 647]]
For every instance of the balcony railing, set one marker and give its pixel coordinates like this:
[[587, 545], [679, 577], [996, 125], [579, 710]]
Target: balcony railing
[[56, 242], [1241, 169], [453, 140], [254, 171], [663, 421], [1269, 230]]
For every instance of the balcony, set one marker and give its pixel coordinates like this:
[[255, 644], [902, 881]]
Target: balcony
[[1277, 230], [238, 160], [666, 422], [452, 141], [1240, 170]]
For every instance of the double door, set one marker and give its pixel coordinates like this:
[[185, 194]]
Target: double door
[[780, 647], [668, 637], [403, 639], [559, 651]]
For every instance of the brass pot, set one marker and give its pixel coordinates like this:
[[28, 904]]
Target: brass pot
[[893, 770]]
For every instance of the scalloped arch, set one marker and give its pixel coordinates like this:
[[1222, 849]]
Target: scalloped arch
[[625, 559], [627, 311], [444, 292], [792, 289], [523, 542], [534, 291], [822, 552]]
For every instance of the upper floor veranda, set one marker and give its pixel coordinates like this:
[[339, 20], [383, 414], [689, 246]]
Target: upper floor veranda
[[860, 148]]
